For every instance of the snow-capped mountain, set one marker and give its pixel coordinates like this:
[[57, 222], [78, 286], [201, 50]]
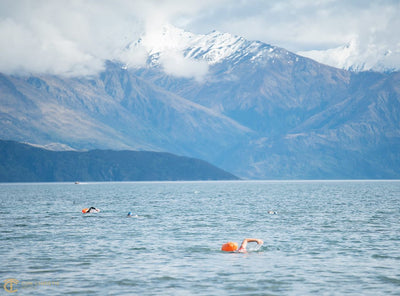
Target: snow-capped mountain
[[216, 47], [253, 109], [185, 54], [352, 57], [212, 48]]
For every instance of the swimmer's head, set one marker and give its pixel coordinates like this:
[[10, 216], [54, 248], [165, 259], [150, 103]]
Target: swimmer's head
[[229, 247], [130, 214]]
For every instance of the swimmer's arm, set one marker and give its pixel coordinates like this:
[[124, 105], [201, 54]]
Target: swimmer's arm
[[250, 240]]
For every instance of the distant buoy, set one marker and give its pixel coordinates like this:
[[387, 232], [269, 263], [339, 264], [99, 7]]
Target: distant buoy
[[229, 247]]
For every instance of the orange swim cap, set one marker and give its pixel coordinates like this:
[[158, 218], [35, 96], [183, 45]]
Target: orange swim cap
[[229, 247], [85, 210]]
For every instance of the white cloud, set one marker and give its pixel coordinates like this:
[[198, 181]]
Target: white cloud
[[176, 64], [63, 37], [40, 48]]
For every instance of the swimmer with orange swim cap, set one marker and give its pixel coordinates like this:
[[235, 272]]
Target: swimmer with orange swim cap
[[233, 247], [90, 210]]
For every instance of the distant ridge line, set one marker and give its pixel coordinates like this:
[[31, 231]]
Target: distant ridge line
[[25, 163]]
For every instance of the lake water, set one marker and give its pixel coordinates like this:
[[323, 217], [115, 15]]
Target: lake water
[[327, 238]]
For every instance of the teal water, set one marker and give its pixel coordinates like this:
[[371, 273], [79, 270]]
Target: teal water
[[327, 238]]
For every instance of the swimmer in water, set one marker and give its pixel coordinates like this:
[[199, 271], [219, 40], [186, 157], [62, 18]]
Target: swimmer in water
[[91, 210], [233, 247], [130, 214]]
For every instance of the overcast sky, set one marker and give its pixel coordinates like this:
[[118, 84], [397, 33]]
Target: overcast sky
[[76, 37]]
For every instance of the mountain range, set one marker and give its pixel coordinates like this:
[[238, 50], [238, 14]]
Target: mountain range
[[258, 111]]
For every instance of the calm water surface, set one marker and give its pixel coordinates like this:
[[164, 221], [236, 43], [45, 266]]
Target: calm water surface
[[327, 238]]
